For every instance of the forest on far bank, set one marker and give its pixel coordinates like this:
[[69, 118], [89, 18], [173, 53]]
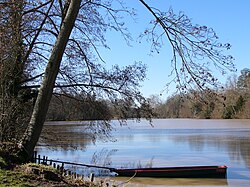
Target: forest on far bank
[[231, 102]]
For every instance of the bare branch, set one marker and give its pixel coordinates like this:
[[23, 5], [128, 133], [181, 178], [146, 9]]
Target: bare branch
[[38, 7], [26, 56], [194, 49], [32, 78]]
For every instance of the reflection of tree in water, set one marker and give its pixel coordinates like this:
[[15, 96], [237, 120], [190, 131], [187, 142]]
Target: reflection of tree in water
[[103, 157], [242, 148], [67, 136], [236, 146], [196, 142], [62, 137]]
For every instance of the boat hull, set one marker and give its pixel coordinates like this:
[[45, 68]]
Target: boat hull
[[176, 172]]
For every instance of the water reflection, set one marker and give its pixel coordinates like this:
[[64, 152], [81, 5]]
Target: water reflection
[[237, 147], [169, 143], [64, 137], [142, 182]]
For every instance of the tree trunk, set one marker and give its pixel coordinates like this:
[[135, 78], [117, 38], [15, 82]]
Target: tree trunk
[[35, 126]]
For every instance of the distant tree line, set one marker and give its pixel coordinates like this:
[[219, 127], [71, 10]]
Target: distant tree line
[[231, 101]]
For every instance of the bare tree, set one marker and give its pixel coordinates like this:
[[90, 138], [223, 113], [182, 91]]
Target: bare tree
[[34, 128], [64, 36], [91, 78]]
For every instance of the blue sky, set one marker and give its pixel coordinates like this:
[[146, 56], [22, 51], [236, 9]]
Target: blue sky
[[229, 18]]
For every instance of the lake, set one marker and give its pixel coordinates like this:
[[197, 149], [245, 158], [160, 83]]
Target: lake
[[168, 142]]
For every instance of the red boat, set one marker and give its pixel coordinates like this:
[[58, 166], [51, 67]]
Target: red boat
[[175, 172]]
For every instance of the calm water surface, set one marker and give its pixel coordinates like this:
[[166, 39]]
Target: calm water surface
[[170, 142]]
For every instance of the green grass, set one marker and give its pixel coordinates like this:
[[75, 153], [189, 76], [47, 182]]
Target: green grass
[[17, 176], [14, 178]]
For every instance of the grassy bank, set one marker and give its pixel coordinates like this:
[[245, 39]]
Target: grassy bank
[[35, 175]]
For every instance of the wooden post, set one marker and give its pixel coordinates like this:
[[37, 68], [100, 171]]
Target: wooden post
[[50, 162], [39, 161], [62, 168], [43, 160], [46, 160], [34, 156], [92, 175], [74, 175], [69, 173], [54, 165]]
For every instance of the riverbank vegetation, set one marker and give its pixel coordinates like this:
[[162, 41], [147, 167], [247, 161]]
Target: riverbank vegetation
[[38, 175], [14, 173], [229, 102]]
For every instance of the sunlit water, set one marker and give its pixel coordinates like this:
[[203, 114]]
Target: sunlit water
[[170, 142]]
